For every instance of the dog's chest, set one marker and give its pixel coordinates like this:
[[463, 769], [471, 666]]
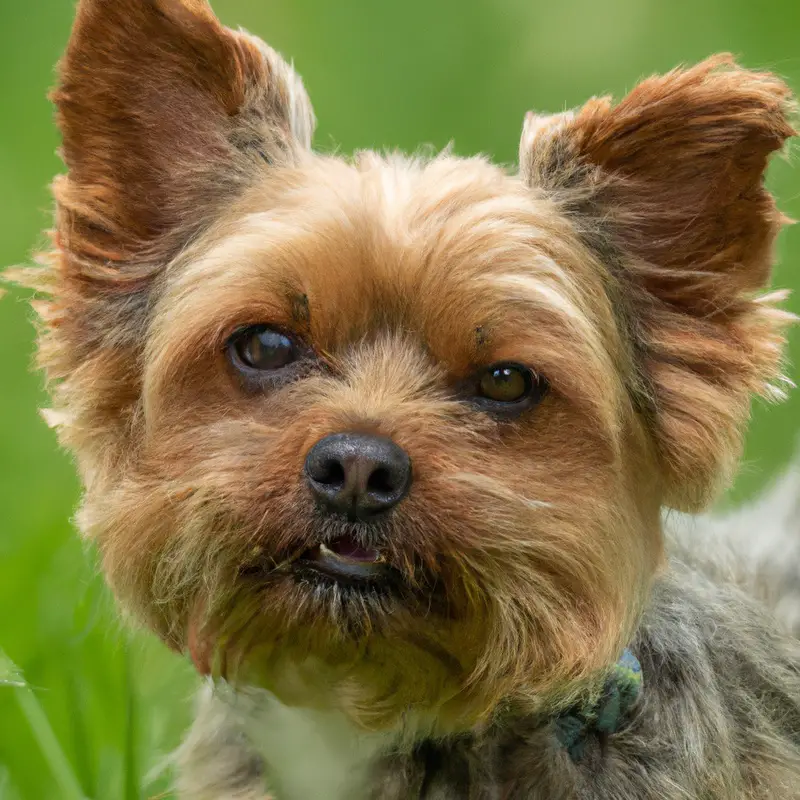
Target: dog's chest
[[312, 754]]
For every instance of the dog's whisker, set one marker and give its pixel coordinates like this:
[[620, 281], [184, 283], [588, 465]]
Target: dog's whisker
[[496, 489]]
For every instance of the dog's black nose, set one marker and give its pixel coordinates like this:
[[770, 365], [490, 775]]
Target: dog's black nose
[[358, 474]]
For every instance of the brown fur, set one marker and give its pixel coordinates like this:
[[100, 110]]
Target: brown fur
[[622, 263]]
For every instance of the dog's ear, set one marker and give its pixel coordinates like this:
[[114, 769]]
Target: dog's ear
[[166, 116], [667, 187]]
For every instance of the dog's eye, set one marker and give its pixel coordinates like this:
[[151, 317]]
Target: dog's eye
[[262, 348], [506, 383], [510, 388]]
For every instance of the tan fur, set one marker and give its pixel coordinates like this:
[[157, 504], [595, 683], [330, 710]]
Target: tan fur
[[621, 263]]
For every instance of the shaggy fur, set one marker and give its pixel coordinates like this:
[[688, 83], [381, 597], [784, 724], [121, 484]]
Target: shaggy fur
[[622, 263]]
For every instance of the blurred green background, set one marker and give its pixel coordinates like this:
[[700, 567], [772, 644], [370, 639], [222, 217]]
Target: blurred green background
[[103, 706]]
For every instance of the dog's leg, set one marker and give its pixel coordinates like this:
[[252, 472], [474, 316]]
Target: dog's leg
[[216, 761]]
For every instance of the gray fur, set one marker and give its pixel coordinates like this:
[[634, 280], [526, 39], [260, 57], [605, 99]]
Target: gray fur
[[757, 546]]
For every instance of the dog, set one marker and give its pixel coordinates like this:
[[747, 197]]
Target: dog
[[384, 444]]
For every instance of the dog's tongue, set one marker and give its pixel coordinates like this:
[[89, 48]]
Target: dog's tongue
[[347, 547]]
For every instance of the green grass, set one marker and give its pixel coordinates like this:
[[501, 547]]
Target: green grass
[[100, 706], [46, 740]]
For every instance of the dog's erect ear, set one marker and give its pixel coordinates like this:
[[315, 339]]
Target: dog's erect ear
[[165, 115], [667, 187]]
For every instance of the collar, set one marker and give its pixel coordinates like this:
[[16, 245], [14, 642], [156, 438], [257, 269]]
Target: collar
[[605, 715]]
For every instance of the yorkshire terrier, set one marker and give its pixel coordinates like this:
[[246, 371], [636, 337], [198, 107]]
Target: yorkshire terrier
[[384, 443]]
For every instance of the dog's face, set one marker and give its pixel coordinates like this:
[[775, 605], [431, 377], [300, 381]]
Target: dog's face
[[385, 404], [400, 427]]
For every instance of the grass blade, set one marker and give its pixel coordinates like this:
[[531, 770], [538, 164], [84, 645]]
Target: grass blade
[[36, 718], [131, 774], [80, 734]]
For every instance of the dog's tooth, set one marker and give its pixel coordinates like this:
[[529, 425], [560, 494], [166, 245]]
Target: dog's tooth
[[328, 553]]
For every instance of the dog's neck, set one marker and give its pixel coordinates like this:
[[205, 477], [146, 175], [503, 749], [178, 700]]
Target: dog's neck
[[309, 752]]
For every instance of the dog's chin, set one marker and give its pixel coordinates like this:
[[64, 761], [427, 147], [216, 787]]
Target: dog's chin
[[339, 578], [338, 588]]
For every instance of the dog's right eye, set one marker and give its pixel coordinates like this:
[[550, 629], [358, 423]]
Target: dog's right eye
[[261, 348]]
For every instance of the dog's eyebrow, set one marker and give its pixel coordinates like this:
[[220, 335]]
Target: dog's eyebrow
[[300, 309]]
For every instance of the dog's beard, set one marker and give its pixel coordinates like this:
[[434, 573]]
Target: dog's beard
[[338, 586], [376, 638]]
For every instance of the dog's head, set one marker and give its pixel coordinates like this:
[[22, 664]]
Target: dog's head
[[401, 426]]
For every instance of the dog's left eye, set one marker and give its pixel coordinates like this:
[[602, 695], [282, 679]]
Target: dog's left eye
[[262, 348], [506, 383], [509, 388]]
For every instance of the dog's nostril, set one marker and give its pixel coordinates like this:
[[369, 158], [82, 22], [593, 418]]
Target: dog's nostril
[[381, 481], [331, 474]]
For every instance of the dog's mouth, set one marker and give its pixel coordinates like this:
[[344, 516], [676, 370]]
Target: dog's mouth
[[343, 558]]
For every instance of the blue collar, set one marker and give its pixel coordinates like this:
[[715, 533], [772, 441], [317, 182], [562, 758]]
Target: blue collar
[[621, 693]]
